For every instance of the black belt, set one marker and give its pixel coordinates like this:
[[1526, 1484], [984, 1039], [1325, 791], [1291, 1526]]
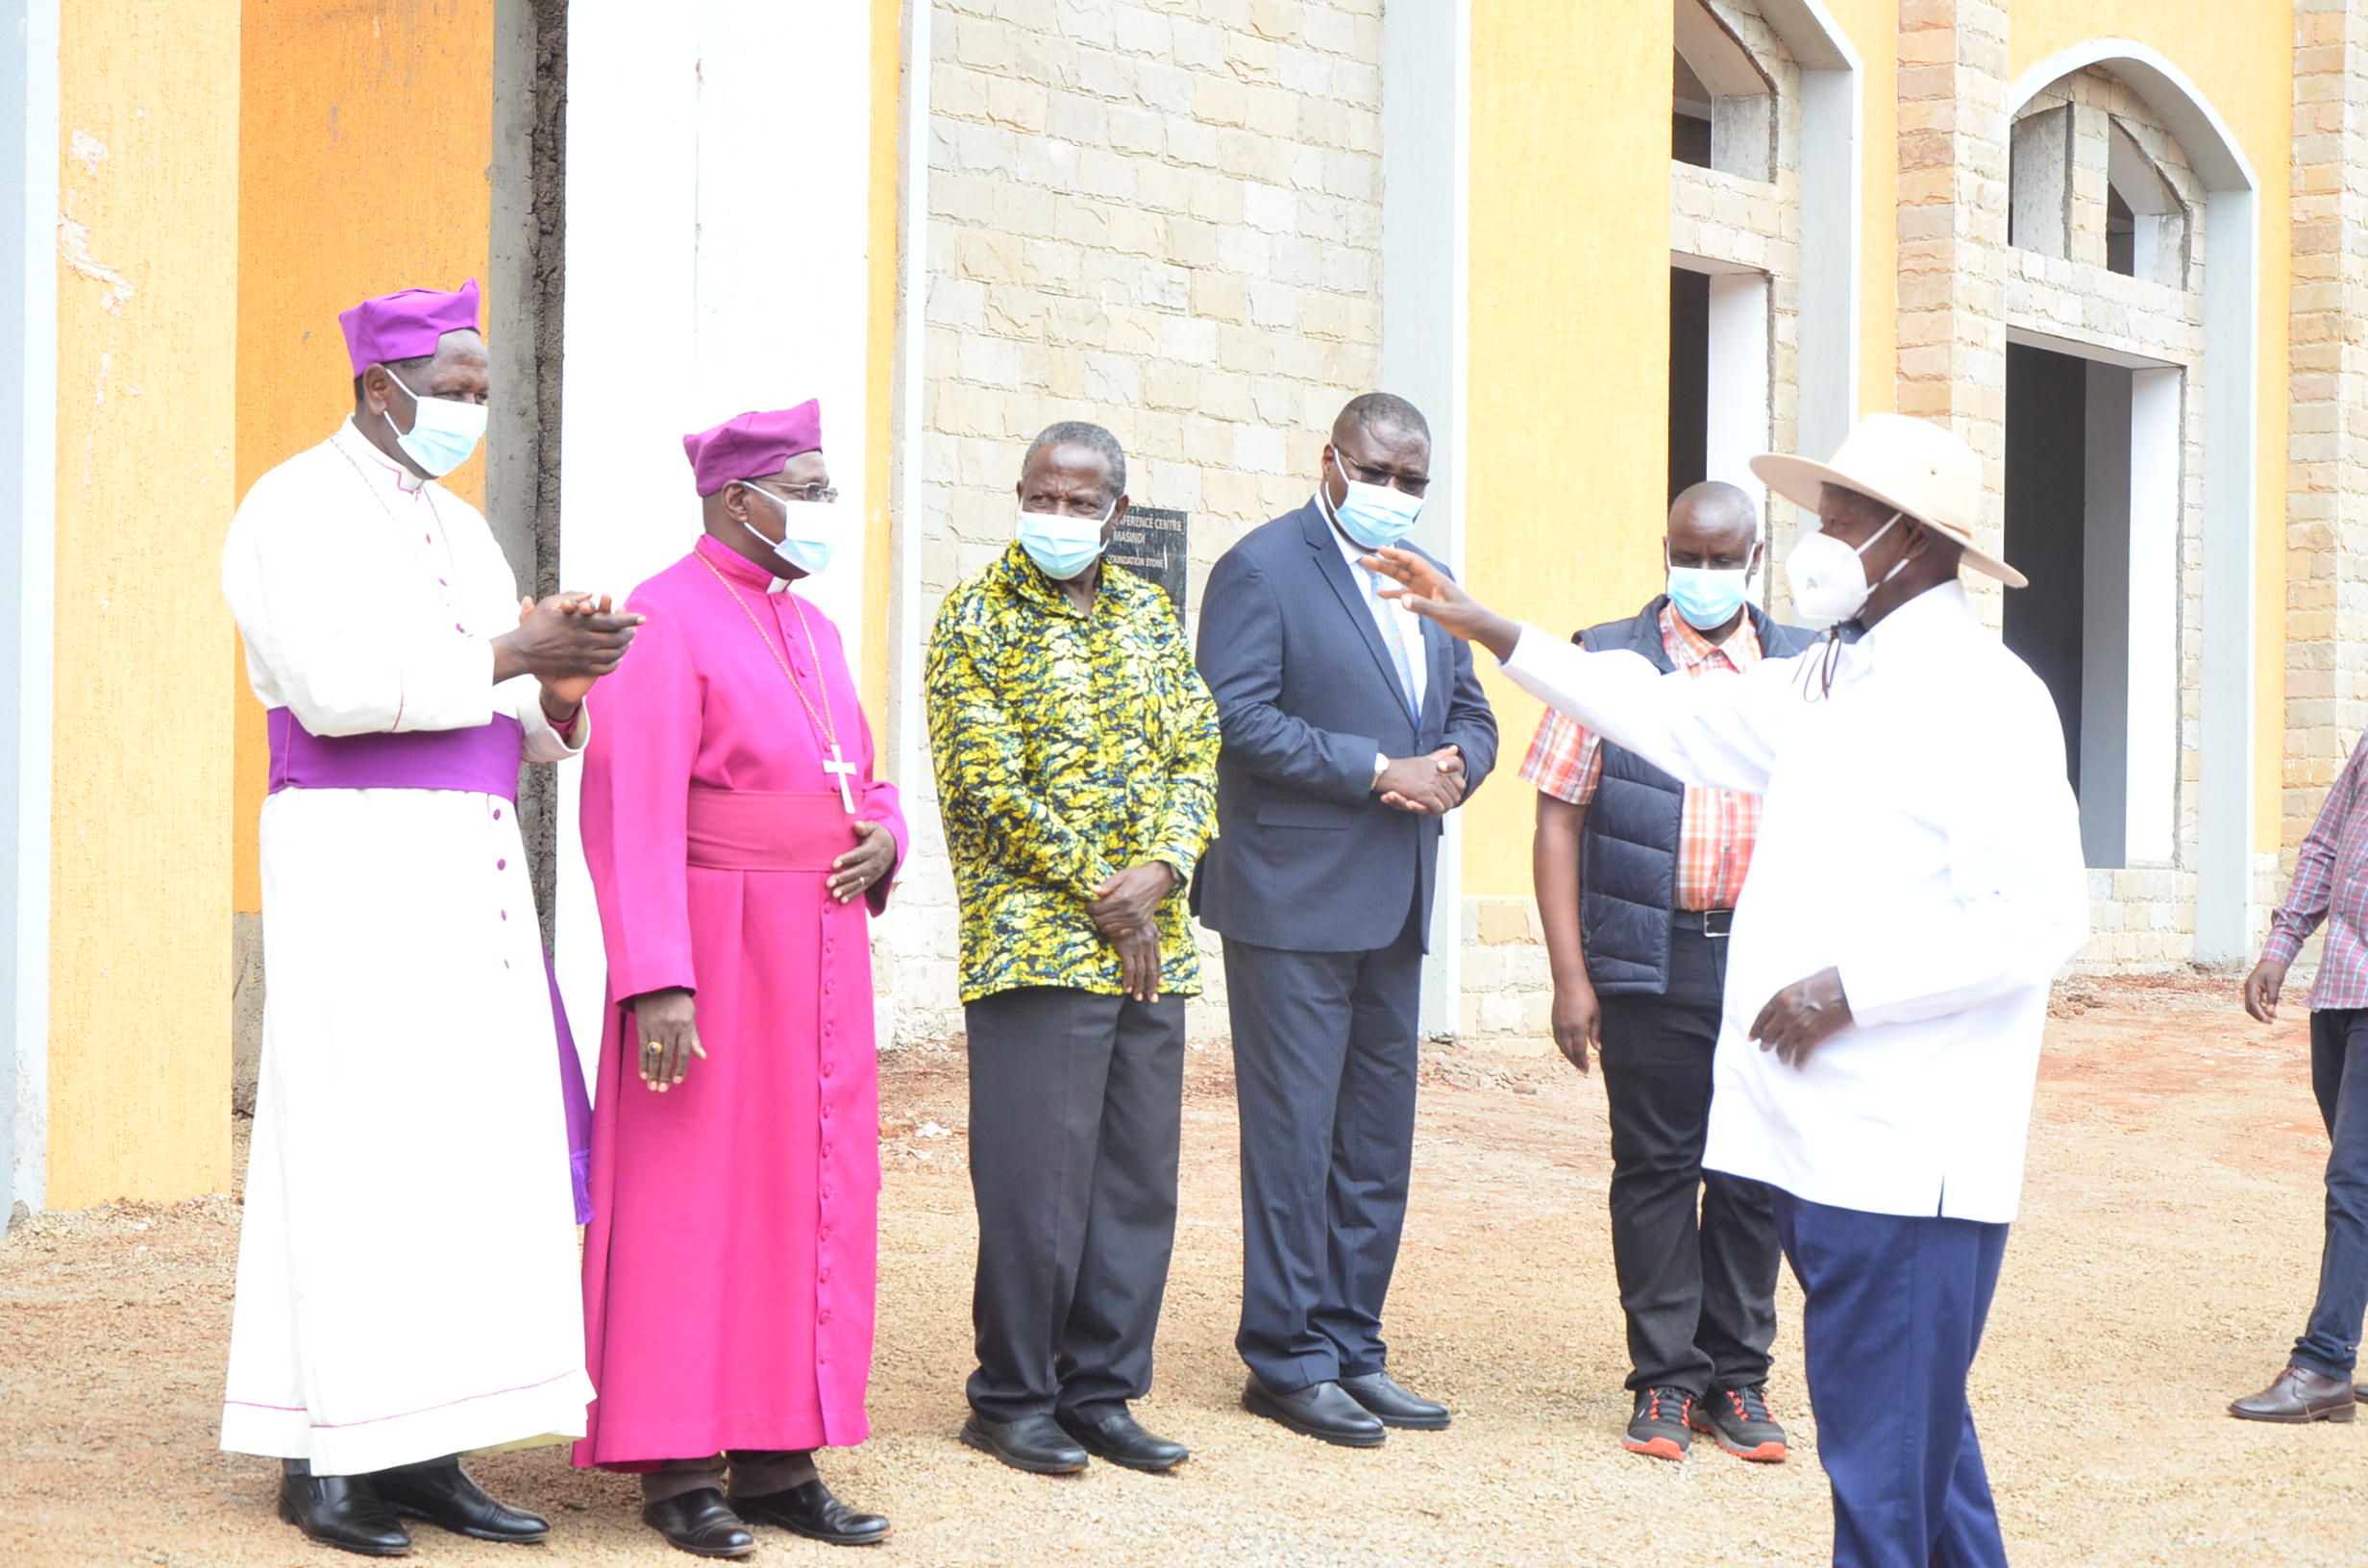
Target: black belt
[[1711, 923]]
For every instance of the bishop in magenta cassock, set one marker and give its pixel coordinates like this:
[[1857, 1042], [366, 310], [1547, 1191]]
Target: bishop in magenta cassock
[[736, 838]]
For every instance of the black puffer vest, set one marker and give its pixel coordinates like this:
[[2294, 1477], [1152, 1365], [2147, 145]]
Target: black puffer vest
[[1628, 853]]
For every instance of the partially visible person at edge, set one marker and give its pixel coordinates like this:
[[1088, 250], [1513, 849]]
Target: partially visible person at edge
[[1637, 878], [1075, 752], [1916, 885], [1351, 729], [2329, 887], [407, 1258], [738, 844]]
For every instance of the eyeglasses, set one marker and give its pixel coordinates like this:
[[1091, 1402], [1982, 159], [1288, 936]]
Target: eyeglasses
[[1383, 477], [821, 494]]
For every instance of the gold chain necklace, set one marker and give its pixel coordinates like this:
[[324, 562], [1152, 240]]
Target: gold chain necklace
[[826, 729]]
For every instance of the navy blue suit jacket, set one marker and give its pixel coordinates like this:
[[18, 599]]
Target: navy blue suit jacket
[[1307, 858]]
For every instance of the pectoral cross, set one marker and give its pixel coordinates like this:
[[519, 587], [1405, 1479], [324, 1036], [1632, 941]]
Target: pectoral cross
[[844, 770]]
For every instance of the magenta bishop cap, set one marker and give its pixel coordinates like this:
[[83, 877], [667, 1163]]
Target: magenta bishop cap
[[406, 325], [753, 444]]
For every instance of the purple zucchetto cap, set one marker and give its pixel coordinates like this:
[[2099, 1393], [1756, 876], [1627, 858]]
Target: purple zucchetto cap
[[753, 444], [406, 325]]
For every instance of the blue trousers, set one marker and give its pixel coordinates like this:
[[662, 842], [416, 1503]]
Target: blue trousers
[[2330, 1345], [1892, 1318]]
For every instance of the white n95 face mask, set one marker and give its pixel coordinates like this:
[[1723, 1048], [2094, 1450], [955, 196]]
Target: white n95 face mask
[[1829, 578], [444, 430]]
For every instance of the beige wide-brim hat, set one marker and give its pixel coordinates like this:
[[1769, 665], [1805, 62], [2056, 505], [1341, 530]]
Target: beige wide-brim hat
[[1910, 464]]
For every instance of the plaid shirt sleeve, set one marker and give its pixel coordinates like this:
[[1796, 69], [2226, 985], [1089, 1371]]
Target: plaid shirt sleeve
[[2312, 890], [1566, 759]]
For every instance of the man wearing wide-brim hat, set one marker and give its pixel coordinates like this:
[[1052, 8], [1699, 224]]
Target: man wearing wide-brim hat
[[1917, 884]]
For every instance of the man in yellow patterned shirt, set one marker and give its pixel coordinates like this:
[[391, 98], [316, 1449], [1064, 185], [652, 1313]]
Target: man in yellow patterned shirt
[[1075, 749]]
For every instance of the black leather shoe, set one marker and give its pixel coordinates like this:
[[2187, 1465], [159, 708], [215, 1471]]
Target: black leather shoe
[[810, 1510], [446, 1496], [1034, 1443], [1320, 1410], [1393, 1405], [343, 1512], [1121, 1441], [700, 1523]]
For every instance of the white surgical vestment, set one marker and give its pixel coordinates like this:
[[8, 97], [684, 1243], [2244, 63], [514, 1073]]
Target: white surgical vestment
[[407, 1264], [1919, 835]]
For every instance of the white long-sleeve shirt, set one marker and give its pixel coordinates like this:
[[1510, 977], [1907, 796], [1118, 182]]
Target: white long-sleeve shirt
[[1919, 835]]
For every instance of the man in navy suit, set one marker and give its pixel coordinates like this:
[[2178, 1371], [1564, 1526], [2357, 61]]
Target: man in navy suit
[[1350, 728]]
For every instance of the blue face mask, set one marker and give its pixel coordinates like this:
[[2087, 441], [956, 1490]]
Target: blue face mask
[[1374, 515], [1062, 546], [809, 538], [444, 431], [1707, 599]]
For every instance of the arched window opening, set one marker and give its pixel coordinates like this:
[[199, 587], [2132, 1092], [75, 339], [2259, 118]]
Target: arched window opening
[[2145, 223], [1689, 124], [1723, 106]]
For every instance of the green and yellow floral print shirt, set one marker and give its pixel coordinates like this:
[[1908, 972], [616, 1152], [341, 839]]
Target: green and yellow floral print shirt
[[1068, 748]]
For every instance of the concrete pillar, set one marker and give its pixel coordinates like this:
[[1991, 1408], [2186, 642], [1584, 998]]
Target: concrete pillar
[[2327, 443], [147, 235], [1952, 154]]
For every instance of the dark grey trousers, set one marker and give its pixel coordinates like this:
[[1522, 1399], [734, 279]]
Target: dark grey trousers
[[1077, 1109], [1324, 1053]]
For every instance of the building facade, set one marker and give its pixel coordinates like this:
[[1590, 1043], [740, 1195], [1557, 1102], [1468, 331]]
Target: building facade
[[2121, 246]]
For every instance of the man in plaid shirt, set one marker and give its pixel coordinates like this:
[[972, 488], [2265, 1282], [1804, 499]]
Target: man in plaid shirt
[[2330, 885], [1637, 878]]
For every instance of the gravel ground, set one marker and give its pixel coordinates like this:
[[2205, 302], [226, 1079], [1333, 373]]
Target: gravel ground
[[2166, 1255]]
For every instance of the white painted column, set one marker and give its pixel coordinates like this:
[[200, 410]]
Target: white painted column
[[1738, 402], [28, 582], [718, 215], [1425, 223], [2152, 789], [2224, 891]]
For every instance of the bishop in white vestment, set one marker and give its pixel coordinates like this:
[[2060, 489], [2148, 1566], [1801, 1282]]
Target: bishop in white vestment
[[408, 1265]]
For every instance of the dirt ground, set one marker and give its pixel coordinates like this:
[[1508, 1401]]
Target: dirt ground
[[2165, 1258]]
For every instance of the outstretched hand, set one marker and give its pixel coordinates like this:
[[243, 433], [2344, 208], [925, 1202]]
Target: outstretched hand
[[1425, 590]]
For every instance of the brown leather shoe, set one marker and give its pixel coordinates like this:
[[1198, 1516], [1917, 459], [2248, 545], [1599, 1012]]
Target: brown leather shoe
[[2299, 1395]]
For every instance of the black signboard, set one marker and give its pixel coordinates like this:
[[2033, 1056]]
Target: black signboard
[[1149, 542]]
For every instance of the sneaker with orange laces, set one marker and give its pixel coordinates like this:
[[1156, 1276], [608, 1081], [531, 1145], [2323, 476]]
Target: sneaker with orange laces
[[1738, 1420], [1658, 1428]]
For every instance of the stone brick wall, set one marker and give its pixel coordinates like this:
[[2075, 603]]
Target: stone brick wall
[[1161, 215], [2326, 511]]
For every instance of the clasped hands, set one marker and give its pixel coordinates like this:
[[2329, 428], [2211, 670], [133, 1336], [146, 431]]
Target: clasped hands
[[1126, 910], [1429, 786], [567, 642]]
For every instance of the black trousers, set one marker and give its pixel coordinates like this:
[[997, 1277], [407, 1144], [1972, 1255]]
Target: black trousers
[[2330, 1345], [1698, 1287], [1077, 1109], [1323, 1066]]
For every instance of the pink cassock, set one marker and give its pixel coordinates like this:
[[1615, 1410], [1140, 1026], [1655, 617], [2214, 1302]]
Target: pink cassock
[[730, 1267]]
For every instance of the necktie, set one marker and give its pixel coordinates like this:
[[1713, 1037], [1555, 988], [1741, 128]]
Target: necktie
[[1390, 634]]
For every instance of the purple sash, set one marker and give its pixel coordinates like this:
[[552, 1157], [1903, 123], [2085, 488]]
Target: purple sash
[[482, 760]]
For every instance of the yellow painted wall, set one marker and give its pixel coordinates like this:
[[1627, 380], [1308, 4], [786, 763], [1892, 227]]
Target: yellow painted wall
[[366, 153], [2240, 57], [141, 856], [1565, 468], [884, 260]]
